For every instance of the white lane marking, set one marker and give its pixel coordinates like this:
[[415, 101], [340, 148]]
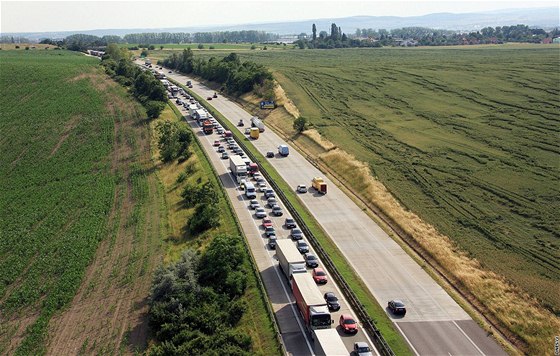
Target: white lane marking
[[468, 338], [407, 340]]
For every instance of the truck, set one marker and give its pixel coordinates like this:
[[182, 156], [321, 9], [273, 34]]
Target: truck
[[289, 259], [207, 127], [238, 168], [192, 110], [256, 122], [283, 150], [253, 168], [201, 115], [327, 342], [310, 302], [250, 191], [319, 184], [254, 133]]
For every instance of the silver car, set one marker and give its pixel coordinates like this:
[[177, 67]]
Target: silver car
[[260, 213]]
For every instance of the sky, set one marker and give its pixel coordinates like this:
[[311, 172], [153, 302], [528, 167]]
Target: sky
[[43, 16]]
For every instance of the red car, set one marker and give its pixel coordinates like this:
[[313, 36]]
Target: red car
[[266, 223], [217, 143], [319, 276], [348, 324]]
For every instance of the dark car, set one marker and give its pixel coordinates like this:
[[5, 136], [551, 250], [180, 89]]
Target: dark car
[[296, 234], [225, 155], [269, 193], [269, 230], [311, 260], [348, 324], [332, 301], [270, 154], [221, 149], [209, 98], [272, 242], [302, 246], [397, 307], [290, 223], [215, 96], [170, 71]]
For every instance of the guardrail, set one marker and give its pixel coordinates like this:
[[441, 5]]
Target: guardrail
[[367, 323], [256, 273]]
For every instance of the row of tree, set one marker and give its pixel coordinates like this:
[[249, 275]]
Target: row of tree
[[196, 303], [144, 86], [200, 37], [433, 37], [237, 77], [335, 39]]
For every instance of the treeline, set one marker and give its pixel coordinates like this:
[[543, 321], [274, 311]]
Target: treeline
[[200, 37], [196, 303], [432, 37], [144, 86], [334, 39], [13, 39], [237, 77]]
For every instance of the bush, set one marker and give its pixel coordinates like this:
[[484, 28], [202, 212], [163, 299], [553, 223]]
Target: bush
[[154, 108], [200, 46], [204, 218], [211, 47]]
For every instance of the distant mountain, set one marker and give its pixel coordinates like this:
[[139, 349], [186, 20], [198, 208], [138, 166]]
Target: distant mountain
[[539, 17]]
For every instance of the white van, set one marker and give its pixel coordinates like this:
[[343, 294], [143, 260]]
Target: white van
[[250, 191]]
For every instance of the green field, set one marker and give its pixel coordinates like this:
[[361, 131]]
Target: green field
[[56, 189], [465, 137]]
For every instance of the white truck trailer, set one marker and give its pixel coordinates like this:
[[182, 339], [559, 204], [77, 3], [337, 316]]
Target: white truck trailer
[[238, 168], [289, 258], [327, 342]]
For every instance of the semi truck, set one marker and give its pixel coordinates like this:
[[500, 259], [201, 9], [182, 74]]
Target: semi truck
[[238, 168], [207, 127], [319, 184], [256, 122], [290, 260], [253, 168], [327, 342], [310, 302], [283, 150]]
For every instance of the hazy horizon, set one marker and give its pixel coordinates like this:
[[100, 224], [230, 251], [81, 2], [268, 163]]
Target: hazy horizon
[[57, 16]]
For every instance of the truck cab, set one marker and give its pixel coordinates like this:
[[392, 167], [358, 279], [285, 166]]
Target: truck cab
[[319, 184]]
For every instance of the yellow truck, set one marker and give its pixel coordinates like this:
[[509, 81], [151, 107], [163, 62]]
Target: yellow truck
[[254, 134], [319, 184]]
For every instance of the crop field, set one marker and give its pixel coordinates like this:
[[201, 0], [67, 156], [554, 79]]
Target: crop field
[[81, 212], [465, 137]]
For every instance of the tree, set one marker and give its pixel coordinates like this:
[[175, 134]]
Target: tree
[[314, 31], [200, 46], [300, 124], [174, 140], [161, 47], [151, 47]]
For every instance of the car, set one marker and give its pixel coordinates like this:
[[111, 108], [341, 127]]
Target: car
[[290, 223], [257, 175], [296, 234], [225, 155], [215, 95], [253, 204], [217, 143], [269, 193], [311, 260], [270, 154], [209, 98], [397, 307], [332, 301], [240, 153], [348, 324], [260, 213], [277, 211], [232, 146], [270, 202], [262, 187], [269, 230], [302, 188], [260, 179], [247, 131], [362, 349], [220, 130], [266, 223], [319, 275], [272, 242], [240, 123], [242, 183], [170, 71], [179, 101], [221, 149], [302, 246]]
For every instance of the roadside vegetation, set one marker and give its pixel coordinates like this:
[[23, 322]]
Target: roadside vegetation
[[463, 142], [217, 304]]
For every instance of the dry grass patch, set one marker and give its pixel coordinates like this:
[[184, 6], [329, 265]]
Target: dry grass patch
[[515, 309], [319, 140]]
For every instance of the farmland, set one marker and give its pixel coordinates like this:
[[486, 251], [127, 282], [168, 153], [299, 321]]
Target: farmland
[[81, 213], [465, 137]]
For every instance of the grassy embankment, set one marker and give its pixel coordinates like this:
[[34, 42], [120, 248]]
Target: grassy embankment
[[464, 137], [256, 321], [75, 194], [374, 310]]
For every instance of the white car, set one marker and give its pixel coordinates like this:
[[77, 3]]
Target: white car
[[262, 187], [260, 213], [302, 188]]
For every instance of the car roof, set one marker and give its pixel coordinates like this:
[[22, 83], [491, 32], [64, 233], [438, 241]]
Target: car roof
[[347, 316], [397, 301], [361, 344], [318, 269]]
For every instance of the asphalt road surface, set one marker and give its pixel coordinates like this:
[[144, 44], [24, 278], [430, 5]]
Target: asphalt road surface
[[434, 324]]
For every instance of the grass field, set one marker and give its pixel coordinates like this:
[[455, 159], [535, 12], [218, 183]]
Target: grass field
[[73, 180], [465, 137]]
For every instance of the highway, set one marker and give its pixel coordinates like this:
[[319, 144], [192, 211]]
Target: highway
[[434, 324], [278, 289]]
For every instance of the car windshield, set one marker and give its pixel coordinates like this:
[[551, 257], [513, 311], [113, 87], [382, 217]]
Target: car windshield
[[332, 298], [311, 257], [321, 320], [349, 321], [296, 231], [399, 304], [363, 349], [320, 273], [260, 210]]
